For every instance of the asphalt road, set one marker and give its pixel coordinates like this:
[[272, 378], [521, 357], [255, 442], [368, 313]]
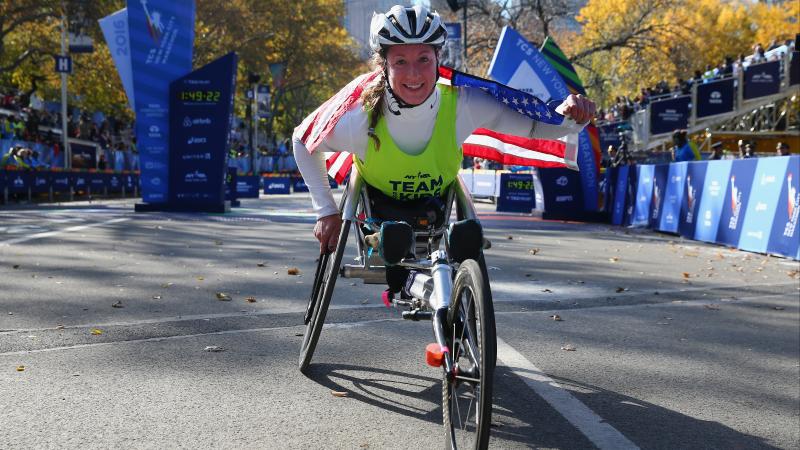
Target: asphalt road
[[105, 315]]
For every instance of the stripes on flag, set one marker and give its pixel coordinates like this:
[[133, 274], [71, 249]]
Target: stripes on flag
[[505, 149]]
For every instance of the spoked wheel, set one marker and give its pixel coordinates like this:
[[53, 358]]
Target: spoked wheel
[[324, 282], [467, 395]]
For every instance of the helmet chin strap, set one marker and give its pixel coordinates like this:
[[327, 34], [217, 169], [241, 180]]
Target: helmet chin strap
[[395, 102]]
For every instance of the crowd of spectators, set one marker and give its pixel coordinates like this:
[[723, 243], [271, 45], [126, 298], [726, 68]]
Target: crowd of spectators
[[625, 106]]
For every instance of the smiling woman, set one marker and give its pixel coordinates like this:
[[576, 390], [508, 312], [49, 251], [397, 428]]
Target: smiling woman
[[412, 72]]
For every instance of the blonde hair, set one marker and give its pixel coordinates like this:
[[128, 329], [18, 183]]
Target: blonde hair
[[373, 97]]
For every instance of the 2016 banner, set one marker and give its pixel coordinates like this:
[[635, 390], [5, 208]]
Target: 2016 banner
[[762, 79], [115, 31], [715, 97], [161, 36], [669, 115]]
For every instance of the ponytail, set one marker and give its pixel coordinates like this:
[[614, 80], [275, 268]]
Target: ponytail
[[373, 97]]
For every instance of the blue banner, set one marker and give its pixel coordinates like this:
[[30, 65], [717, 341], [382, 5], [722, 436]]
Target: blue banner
[[715, 98], [692, 196], [763, 203], [18, 181], [114, 183], [161, 40], [516, 193], [247, 186], [784, 237], [712, 200], [518, 64], [299, 185], [562, 193], [620, 194], [115, 31], [735, 201], [762, 79], [98, 182], [660, 174], [201, 108], [41, 182], [277, 185], [644, 195], [62, 182], [673, 196], [79, 181], [669, 115]]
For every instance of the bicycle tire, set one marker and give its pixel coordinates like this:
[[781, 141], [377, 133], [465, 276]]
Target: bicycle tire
[[323, 290], [474, 350]]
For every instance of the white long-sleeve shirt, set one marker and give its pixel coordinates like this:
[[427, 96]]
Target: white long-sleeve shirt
[[411, 130]]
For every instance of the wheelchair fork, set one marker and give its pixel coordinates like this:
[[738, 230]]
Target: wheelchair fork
[[442, 277]]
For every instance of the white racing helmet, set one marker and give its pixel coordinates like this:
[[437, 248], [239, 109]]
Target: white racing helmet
[[406, 25]]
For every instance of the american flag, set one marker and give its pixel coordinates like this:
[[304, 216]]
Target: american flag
[[505, 149]]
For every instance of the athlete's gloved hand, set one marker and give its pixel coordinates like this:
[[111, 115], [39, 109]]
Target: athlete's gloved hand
[[327, 231], [578, 108]]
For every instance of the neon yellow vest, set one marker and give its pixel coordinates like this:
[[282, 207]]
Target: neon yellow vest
[[408, 177]]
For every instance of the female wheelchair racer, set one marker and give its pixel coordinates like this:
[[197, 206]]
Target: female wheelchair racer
[[405, 133]]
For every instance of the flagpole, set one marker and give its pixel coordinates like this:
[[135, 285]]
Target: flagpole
[[466, 3]]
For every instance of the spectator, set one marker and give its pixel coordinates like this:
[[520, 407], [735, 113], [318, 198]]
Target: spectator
[[101, 163], [782, 149], [15, 157], [682, 150], [758, 54], [746, 150], [716, 151]]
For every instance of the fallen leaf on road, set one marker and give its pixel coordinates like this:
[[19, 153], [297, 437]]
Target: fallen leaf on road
[[614, 259], [217, 242], [365, 301], [686, 275], [200, 278], [117, 305], [339, 393], [493, 268], [20, 368], [293, 271], [261, 265], [793, 273], [15, 266], [533, 251], [223, 297], [510, 238], [250, 299], [778, 308], [546, 290], [621, 289], [166, 285], [214, 348], [96, 331], [59, 327], [556, 317], [568, 348], [156, 297], [712, 307]]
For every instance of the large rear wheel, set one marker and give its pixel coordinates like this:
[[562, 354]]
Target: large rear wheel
[[321, 293], [467, 393]]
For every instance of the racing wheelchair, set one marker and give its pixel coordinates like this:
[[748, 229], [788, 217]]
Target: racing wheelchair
[[435, 271]]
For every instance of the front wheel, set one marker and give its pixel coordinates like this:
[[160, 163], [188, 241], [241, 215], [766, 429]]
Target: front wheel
[[324, 282], [467, 393]]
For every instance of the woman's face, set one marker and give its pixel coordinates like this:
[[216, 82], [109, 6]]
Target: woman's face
[[412, 71]]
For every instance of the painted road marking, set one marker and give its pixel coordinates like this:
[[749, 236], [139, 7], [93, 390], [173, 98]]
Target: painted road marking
[[603, 435], [48, 234]]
